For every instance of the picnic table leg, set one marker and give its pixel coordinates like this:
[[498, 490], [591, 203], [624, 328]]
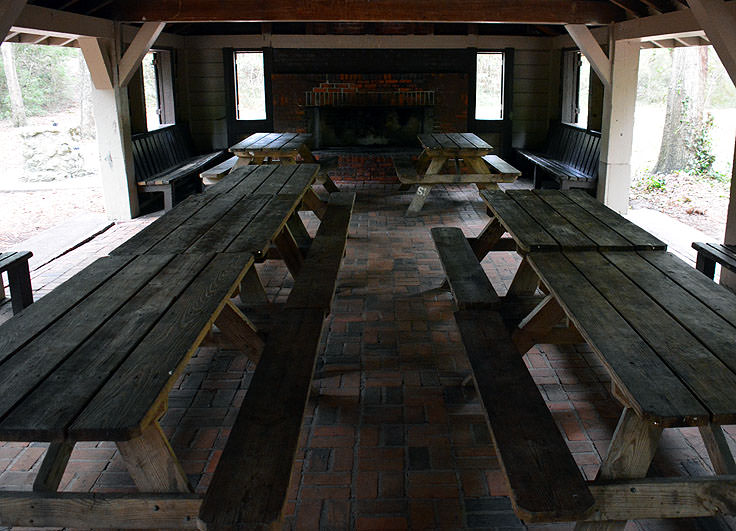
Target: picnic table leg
[[240, 331], [289, 251], [629, 456], [417, 202], [151, 462], [705, 265], [251, 289], [53, 466], [299, 232], [312, 202], [525, 281], [243, 160], [533, 328], [488, 237], [21, 292], [720, 454]]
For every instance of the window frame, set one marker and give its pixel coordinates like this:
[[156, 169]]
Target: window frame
[[570, 88], [239, 129], [503, 86], [501, 126], [163, 66], [235, 84]]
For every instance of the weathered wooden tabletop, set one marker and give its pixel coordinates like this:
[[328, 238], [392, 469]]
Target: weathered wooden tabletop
[[241, 213], [285, 147], [95, 358], [455, 144], [550, 220]]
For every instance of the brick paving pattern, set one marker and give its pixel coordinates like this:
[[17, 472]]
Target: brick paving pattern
[[391, 437]]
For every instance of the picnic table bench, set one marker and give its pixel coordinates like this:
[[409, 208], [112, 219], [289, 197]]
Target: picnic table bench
[[165, 162], [95, 359], [710, 254], [15, 266], [571, 157], [664, 332], [468, 156]]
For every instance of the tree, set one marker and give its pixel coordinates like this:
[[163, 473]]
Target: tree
[[685, 107], [18, 110]]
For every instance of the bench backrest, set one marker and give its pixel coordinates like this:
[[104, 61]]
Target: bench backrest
[[580, 148], [159, 150]]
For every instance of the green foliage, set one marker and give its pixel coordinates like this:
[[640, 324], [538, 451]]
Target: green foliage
[[654, 182], [701, 156], [47, 75]]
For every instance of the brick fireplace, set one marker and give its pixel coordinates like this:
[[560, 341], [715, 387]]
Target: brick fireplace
[[365, 118]]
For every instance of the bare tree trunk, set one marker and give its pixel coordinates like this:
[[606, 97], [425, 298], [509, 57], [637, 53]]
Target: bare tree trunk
[[685, 107], [86, 118], [18, 110]]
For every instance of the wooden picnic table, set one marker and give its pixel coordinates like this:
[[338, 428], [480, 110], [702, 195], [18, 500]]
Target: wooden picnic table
[[284, 148], [95, 359], [664, 332], [467, 157]]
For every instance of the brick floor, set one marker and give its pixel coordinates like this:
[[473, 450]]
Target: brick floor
[[391, 438]]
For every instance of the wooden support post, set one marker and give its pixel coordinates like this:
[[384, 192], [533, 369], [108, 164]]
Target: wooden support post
[[289, 251], [718, 21], [10, 10], [240, 331], [728, 278], [139, 47], [525, 281], [21, 291], [299, 232], [629, 456], [534, 326], [53, 466], [112, 116], [488, 237], [251, 289], [597, 58], [720, 454], [614, 174], [312, 202], [151, 462]]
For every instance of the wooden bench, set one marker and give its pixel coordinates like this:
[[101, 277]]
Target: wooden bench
[[249, 485], [571, 157], [544, 481], [165, 161], [215, 173], [711, 253], [501, 172], [15, 265]]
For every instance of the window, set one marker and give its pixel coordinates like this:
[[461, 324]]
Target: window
[[489, 86], [250, 90], [158, 89], [575, 89]]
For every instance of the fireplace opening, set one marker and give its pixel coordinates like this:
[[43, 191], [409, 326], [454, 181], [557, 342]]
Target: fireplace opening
[[373, 126]]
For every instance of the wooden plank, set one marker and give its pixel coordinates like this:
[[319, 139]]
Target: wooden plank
[[452, 178], [716, 297], [526, 231], [130, 398], [691, 497], [461, 141], [240, 332], [278, 143], [315, 285], [41, 415], [89, 510], [544, 481], [296, 143], [476, 141], [429, 142], [704, 374], [640, 238], [702, 322], [717, 446], [53, 466], [300, 180], [631, 362], [487, 239], [238, 175], [30, 365], [22, 328], [250, 483], [501, 166], [277, 179], [265, 226], [566, 235], [604, 237], [256, 139], [289, 251], [147, 238], [718, 253], [221, 233], [219, 171], [534, 327], [469, 283], [151, 462], [8, 259]]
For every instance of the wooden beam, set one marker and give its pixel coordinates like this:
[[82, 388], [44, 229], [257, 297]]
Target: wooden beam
[[10, 10], [719, 22], [140, 46], [86, 510], [469, 11], [57, 23], [664, 498], [632, 7], [98, 62], [597, 58]]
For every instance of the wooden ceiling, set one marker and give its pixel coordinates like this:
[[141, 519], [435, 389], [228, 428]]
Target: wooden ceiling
[[490, 17]]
